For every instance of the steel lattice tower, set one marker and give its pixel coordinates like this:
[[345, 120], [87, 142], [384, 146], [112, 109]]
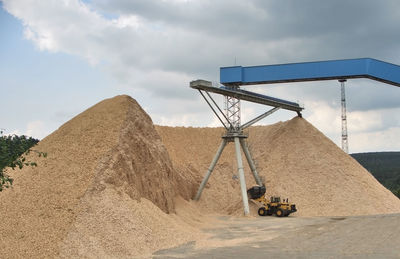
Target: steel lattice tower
[[345, 144], [233, 111]]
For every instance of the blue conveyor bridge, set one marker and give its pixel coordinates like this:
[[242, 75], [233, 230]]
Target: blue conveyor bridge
[[312, 71], [232, 78]]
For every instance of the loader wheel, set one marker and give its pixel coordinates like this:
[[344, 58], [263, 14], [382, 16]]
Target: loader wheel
[[262, 211], [279, 213]]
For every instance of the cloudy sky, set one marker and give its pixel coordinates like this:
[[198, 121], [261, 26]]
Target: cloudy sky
[[59, 57]]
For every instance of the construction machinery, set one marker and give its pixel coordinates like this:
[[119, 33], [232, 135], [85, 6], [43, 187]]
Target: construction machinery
[[272, 206]]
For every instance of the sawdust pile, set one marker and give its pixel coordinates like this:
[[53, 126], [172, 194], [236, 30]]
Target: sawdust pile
[[295, 160], [113, 185], [104, 189]]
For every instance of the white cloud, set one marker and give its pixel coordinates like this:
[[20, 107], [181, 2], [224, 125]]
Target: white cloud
[[384, 140], [154, 48], [173, 120], [367, 131], [36, 129], [364, 121], [127, 21], [324, 117], [14, 132]]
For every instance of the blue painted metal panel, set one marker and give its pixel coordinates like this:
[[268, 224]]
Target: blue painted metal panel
[[385, 72], [234, 73], [310, 71]]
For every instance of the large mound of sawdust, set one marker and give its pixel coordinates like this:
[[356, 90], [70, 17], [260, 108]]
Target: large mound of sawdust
[[104, 189], [295, 160], [113, 185]]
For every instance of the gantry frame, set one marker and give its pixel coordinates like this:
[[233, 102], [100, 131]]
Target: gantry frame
[[234, 129]]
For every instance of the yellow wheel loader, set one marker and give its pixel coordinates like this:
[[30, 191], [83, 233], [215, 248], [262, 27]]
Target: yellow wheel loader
[[272, 206]]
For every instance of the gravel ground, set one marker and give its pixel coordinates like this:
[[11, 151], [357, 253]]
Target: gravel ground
[[313, 237]]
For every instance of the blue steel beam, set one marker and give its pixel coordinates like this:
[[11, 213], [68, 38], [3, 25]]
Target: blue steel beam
[[312, 71]]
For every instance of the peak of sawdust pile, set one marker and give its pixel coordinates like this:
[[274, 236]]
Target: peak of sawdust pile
[[104, 190], [294, 159], [299, 162]]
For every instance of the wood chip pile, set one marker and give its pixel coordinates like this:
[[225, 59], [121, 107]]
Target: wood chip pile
[[295, 160], [113, 185]]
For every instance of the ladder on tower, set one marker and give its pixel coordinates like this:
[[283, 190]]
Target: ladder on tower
[[345, 144]]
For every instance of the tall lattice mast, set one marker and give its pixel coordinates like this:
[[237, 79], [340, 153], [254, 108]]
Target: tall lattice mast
[[345, 144], [232, 106]]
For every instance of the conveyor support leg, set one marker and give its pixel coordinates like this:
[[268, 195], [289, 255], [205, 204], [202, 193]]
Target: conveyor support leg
[[210, 169], [251, 162], [241, 177]]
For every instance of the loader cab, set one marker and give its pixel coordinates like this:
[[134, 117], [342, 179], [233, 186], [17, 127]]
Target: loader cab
[[275, 199]]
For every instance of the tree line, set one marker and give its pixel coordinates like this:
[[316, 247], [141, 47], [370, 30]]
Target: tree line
[[384, 166], [13, 154]]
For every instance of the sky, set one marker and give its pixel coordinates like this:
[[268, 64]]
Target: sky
[[59, 57]]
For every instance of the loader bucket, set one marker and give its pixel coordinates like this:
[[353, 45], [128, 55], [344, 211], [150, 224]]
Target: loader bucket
[[256, 192]]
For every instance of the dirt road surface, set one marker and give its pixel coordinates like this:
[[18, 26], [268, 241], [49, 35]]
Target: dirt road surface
[[296, 237]]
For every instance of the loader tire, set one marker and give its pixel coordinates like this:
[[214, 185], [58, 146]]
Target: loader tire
[[262, 211], [279, 213]]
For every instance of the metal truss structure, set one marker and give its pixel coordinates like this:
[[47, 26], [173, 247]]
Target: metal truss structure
[[231, 120], [232, 78]]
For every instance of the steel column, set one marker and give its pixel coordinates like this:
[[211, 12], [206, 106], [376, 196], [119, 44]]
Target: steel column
[[211, 168], [250, 161], [241, 177]]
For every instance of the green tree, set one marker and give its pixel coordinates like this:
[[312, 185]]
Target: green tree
[[13, 154], [384, 166], [397, 193]]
